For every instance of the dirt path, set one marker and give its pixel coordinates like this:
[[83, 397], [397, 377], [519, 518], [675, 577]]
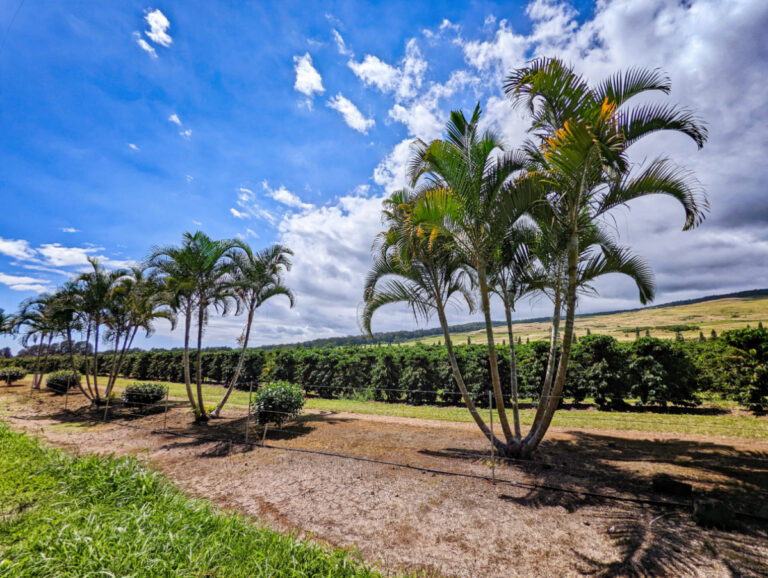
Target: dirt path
[[407, 519]]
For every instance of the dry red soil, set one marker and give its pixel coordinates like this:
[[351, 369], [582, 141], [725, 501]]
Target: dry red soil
[[553, 516]]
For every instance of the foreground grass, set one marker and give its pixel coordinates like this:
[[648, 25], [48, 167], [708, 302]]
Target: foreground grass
[[78, 516], [744, 426]]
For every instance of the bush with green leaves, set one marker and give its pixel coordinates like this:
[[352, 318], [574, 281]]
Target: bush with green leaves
[[61, 381], [662, 372], [12, 373], [604, 365], [278, 402], [143, 394]]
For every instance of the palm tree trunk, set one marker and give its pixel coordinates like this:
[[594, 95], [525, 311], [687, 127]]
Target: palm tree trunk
[[114, 366], [45, 360], [233, 382], [538, 430], [492, 358], [97, 397], [116, 370], [35, 380], [72, 361], [187, 376], [460, 381], [92, 397], [513, 372], [201, 415]]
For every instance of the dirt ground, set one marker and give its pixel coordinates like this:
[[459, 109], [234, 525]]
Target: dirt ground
[[552, 516]]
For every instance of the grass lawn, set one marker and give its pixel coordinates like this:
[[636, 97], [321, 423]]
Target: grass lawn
[[727, 424], [89, 516]]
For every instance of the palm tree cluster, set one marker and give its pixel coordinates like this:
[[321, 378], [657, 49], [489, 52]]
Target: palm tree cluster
[[111, 306], [481, 220]]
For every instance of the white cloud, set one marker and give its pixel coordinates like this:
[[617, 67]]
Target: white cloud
[[58, 255], [246, 200], [239, 214], [19, 283], [144, 45], [70, 230], [16, 248], [503, 53], [174, 118], [189, 178], [133, 147], [352, 115], [197, 223], [340, 44], [391, 172], [285, 197], [158, 27], [187, 134], [308, 79], [403, 81]]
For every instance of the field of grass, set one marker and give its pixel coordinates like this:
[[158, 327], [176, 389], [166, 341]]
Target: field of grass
[[89, 516], [720, 315], [722, 424]]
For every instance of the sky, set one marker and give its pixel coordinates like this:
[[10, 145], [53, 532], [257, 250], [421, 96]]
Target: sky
[[125, 124]]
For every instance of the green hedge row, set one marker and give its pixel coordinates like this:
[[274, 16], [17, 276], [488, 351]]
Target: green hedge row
[[657, 372]]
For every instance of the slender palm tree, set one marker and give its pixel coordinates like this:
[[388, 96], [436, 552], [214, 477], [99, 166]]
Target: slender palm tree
[[68, 312], [476, 191], [583, 136], [96, 297], [33, 322], [257, 277], [420, 267], [198, 275]]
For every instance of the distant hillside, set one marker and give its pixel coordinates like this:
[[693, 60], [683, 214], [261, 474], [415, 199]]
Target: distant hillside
[[391, 337]]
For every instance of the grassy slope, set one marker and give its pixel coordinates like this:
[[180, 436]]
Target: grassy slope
[[745, 426], [720, 314], [67, 516]]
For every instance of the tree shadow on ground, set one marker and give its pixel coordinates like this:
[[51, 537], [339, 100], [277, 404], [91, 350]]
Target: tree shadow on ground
[[589, 470]]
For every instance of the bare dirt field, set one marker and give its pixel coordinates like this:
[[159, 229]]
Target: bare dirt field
[[580, 507]]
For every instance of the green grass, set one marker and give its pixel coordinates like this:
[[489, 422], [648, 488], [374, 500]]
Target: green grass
[[79, 516], [745, 426]]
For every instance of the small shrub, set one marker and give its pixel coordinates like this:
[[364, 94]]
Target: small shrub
[[278, 402], [143, 394], [60, 381], [11, 373]]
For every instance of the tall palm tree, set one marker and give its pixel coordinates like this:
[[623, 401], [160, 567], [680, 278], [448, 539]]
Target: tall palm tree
[[68, 312], [96, 297], [419, 267], [198, 275], [257, 277], [583, 137], [33, 321], [476, 191]]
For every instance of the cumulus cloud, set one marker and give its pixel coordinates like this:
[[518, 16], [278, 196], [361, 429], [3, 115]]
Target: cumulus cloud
[[351, 114], [158, 28], [403, 81], [308, 79]]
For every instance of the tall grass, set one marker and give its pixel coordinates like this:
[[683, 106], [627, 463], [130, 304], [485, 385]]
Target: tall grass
[[78, 516]]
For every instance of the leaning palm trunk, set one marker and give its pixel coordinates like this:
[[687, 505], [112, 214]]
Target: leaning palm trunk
[[127, 342], [96, 396], [45, 360], [238, 369], [87, 366], [73, 363], [201, 415], [187, 373], [513, 371], [35, 380], [492, 357], [460, 380], [542, 422]]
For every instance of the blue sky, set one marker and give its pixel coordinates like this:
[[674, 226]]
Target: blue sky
[[125, 124]]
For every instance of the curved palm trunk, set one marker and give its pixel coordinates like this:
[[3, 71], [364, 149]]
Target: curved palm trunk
[[238, 369], [96, 395], [35, 378], [492, 358], [513, 371], [127, 341], [45, 360], [460, 380], [72, 362], [187, 376], [201, 415], [87, 360], [110, 377], [540, 427]]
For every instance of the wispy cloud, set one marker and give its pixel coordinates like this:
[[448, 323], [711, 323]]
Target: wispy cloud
[[144, 45], [16, 248], [285, 197], [69, 230], [341, 46], [21, 283], [187, 134], [239, 214], [174, 118], [352, 115], [133, 147]]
